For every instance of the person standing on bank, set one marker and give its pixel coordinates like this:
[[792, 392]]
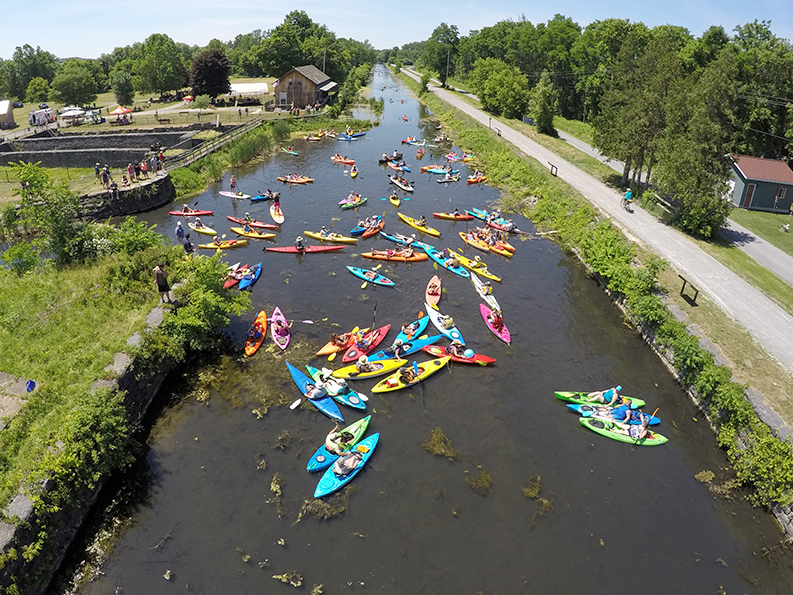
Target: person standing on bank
[[161, 280], [179, 231]]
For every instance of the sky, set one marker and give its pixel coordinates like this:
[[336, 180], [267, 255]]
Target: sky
[[66, 30]]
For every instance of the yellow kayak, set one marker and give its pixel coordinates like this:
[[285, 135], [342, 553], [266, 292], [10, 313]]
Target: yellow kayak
[[393, 382], [477, 266], [382, 367], [474, 241], [203, 229], [415, 224], [331, 237], [253, 234], [224, 244]]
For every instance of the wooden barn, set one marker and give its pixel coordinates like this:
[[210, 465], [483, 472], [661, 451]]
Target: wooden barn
[[302, 86]]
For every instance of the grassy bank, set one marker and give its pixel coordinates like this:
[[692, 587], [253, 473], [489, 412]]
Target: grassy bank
[[759, 459], [767, 226]]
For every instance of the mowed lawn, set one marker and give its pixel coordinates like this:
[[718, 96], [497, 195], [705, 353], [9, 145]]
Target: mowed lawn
[[766, 225]]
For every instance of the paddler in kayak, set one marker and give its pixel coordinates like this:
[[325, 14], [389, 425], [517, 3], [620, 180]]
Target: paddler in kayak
[[339, 340], [315, 391], [636, 431], [217, 241], [281, 327], [299, 244], [446, 321], [363, 365], [198, 223], [347, 463], [248, 218], [393, 196], [423, 221], [395, 348], [254, 333], [371, 274], [409, 329], [407, 375], [495, 319], [337, 442], [434, 288], [610, 396], [324, 232], [457, 348]]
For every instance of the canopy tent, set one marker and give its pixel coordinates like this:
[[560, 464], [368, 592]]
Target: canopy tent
[[249, 89], [72, 113], [188, 98], [120, 111]]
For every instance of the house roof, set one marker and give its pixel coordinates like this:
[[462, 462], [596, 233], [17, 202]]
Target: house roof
[[766, 170], [312, 73]]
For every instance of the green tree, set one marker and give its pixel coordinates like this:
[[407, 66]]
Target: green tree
[[159, 68], [543, 104], [121, 83], [74, 85], [38, 90], [29, 63], [210, 74], [440, 51], [501, 88]]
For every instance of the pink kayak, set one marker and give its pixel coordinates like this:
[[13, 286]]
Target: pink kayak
[[503, 333], [281, 339]]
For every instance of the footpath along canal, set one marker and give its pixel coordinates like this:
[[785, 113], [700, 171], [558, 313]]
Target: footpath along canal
[[202, 517]]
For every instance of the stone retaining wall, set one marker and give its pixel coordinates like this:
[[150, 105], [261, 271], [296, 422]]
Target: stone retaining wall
[[103, 141], [142, 196]]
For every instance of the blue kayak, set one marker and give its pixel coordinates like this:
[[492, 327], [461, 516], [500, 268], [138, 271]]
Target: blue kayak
[[259, 197], [457, 270], [322, 459], [339, 392], [331, 482], [251, 278], [325, 404], [422, 324], [378, 280], [407, 348], [359, 229], [404, 240], [592, 411]]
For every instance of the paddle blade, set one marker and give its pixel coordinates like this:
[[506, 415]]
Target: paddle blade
[[332, 356], [296, 404], [307, 321], [364, 284], [377, 268], [415, 367]]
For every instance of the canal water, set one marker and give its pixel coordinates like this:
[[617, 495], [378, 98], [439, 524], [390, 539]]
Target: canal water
[[608, 518]]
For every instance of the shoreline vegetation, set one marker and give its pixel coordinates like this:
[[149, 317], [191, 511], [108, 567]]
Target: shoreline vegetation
[[75, 312], [759, 459]]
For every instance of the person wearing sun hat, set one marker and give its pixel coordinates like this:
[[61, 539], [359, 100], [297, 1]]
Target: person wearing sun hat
[[609, 396], [299, 244]]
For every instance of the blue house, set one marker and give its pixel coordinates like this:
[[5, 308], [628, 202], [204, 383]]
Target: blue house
[[761, 184]]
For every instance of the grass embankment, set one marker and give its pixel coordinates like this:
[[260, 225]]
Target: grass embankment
[[767, 226], [760, 460]]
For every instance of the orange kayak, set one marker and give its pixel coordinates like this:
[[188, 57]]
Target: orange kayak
[[252, 345], [396, 257], [473, 241], [432, 294], [331, 347]]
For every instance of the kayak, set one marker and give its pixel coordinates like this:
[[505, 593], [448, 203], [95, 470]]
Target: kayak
[[191, 213], [500, 251], [256, 235], [224, 245], [354, 174], [322, 459], [440, 170], [485, 216], [396, 157], [331, 347], [377, 280], [337, 388], [474, 241], [450, 331], [379, 368], [369, 232], [481, 288], [476, 179], [425, 369], [373, 338], [282, 340], [404, 185], [297, 180], [414, 223], [395, 257], [259, 197], [478, 266], [289, 151], [343, 160], [331, 482], [230, 194], [454, 268], [453, 217], [235, 275], [354, 204], [592, 411], [476, 358], [445, 180], [399, 238], [502, 333], [418, 328], [610, 430], [277, 214], [306, 249], [324, 403], [432, 295], [252, 345], [581, 398], [407, 348], [331, 237], [251, 278], [256, 224], [203, 229], [394, 200]]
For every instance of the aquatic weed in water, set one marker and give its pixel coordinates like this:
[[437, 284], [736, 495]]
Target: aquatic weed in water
[[438, 444], [283, 440], [326, 509], [481, 482], [532, 489], [276, 488], [293, 578]]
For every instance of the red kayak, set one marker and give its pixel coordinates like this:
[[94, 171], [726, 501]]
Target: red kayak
[[191, 213], [235, 276], [293, 250], [453, 217], [375, 336], [376, 229], [476, 358], [258, 224]]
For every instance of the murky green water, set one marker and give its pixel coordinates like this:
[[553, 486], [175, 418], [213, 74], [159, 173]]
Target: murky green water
[[620, 518]]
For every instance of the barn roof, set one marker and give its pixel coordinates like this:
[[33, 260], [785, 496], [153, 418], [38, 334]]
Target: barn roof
[[761, 169]]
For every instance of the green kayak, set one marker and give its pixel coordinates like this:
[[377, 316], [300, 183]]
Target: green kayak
[[611, 430], [580, 398]]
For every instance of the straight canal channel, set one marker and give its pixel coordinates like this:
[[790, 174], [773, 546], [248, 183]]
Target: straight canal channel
[[609, 517]]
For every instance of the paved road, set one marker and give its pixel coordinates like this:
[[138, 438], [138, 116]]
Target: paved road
[[768, 323]]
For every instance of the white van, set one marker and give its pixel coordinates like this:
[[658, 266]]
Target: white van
[[41, 117]]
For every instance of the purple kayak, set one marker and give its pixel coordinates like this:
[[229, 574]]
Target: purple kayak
[[503, 333], [282, 340]]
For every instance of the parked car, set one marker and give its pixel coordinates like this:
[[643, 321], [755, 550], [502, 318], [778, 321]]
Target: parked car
[[17, 104], [43, 106]]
